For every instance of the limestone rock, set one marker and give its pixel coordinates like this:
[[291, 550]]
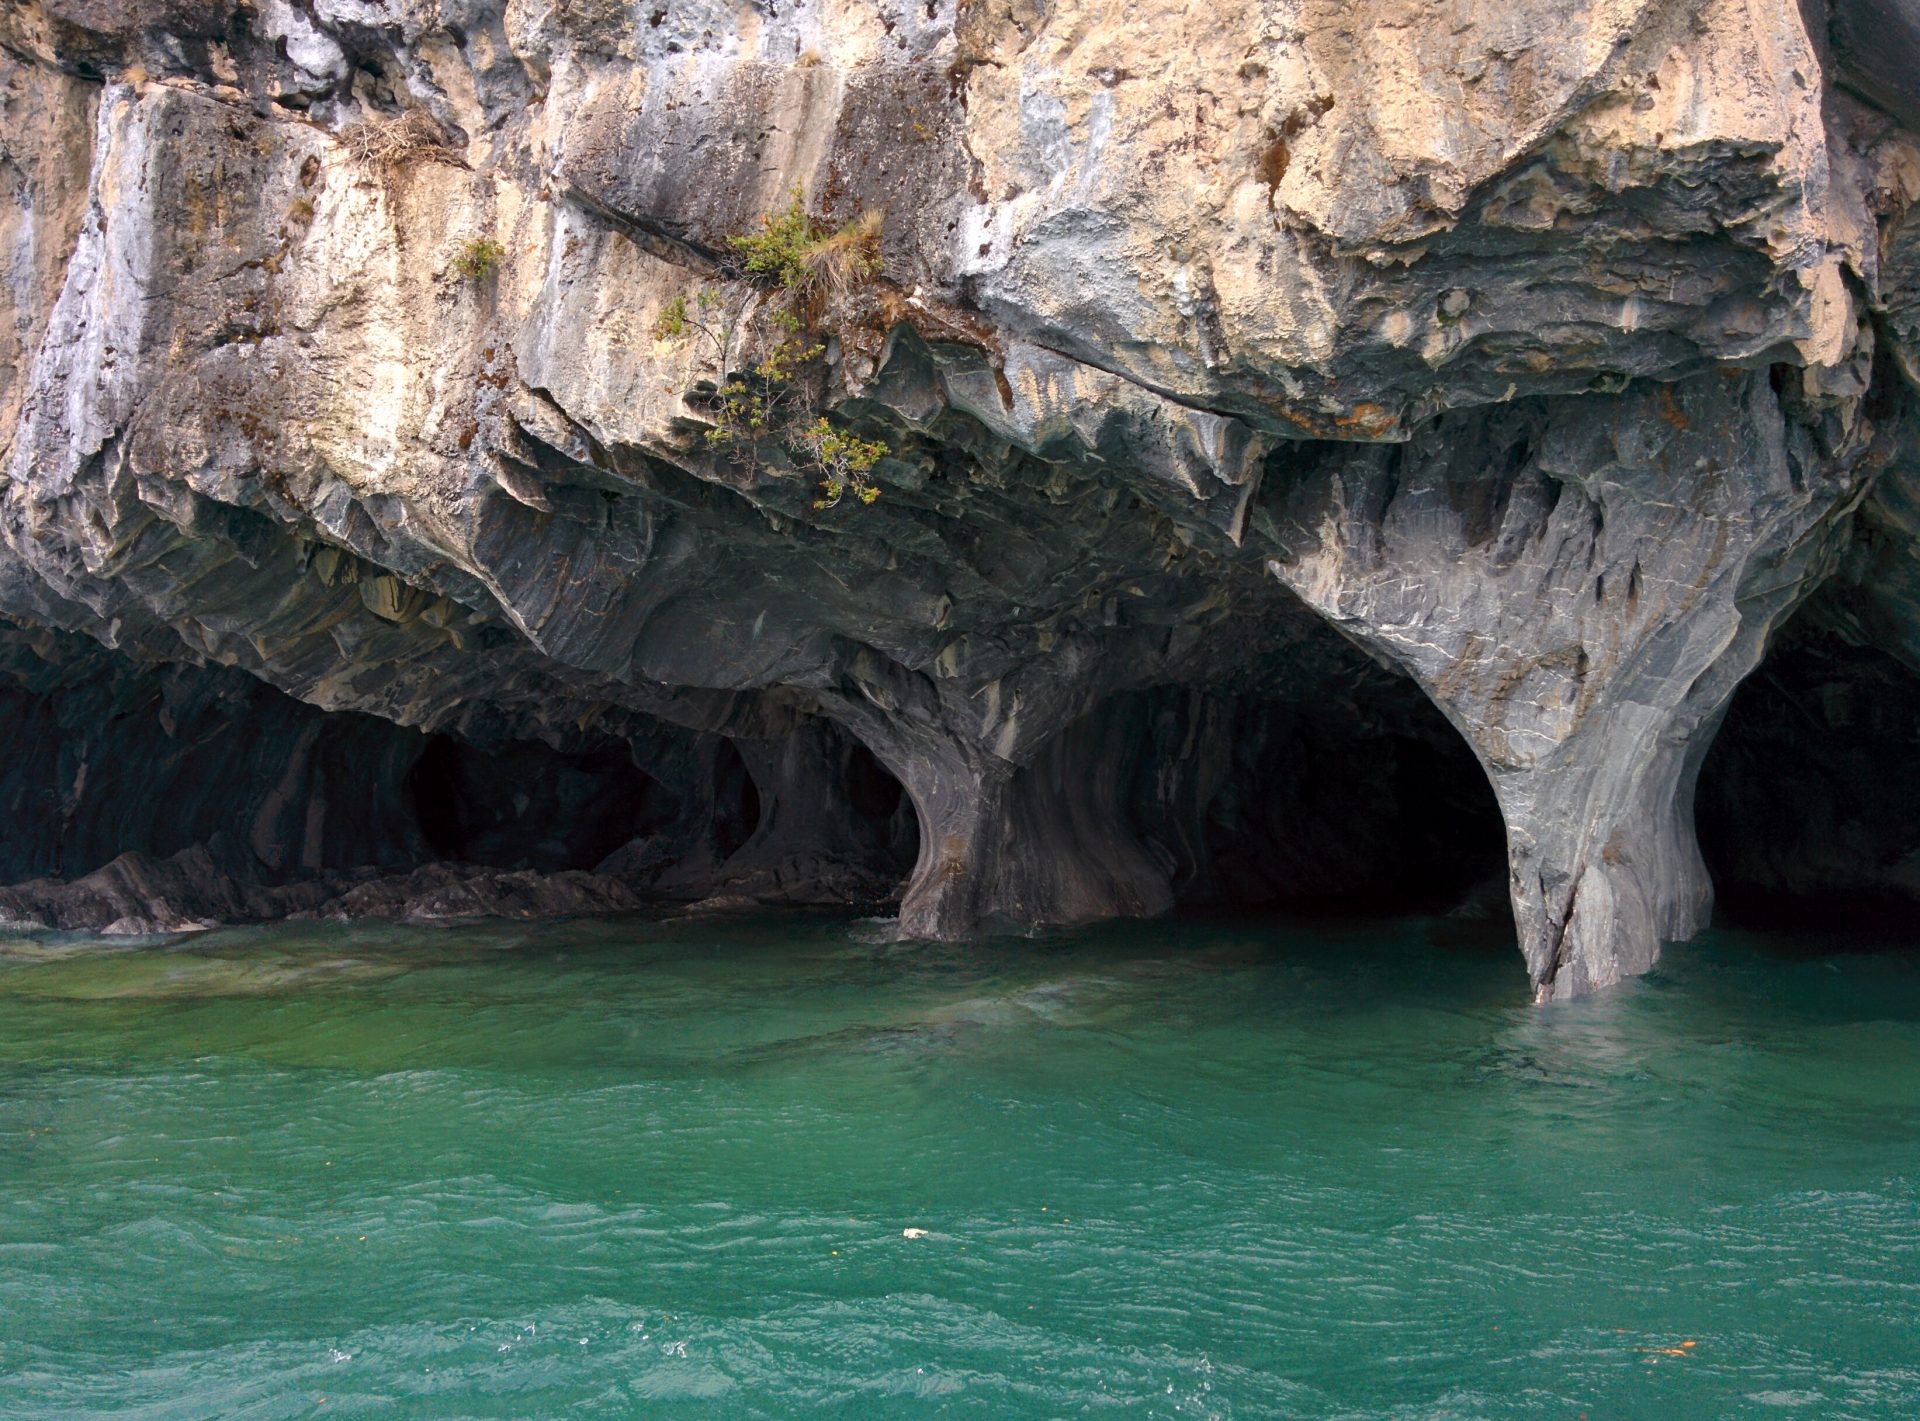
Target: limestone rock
[[1481, 388]]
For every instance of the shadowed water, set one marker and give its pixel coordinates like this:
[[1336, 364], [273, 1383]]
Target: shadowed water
[[631, 1169]]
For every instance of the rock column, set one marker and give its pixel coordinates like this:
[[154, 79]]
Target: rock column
[[1021, 794], [1580, 584], [813, 843]]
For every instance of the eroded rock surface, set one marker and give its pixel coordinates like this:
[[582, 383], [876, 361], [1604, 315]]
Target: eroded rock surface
[[1483, 389]]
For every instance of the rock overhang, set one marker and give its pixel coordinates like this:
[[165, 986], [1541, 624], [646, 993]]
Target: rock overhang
[[1185, 326]]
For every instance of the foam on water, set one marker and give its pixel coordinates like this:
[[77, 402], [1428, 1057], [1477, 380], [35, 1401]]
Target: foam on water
[[630, 1169]]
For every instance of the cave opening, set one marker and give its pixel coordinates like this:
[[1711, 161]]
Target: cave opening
[[737, 810], [105, 756], [1353, 805], [523, 804], [820, 822], [872, 789], [1808, 802], [1347, 794], [881, 806]]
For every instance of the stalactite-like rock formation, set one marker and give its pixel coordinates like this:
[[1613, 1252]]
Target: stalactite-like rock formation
[[1324, 452]]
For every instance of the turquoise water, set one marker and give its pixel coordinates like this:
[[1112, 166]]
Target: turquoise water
[[631, 1169]]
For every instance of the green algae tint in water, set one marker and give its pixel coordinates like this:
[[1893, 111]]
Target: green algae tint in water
[[617, 1170]]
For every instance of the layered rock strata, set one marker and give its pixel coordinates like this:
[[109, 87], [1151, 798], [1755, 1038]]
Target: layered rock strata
[[1264, 388]]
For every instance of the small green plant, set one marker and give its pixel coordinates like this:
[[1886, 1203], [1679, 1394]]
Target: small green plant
[[792, 250], [479, 258], [769, 399], [672, 323], [759, 333], [777, 252], [845, 461]]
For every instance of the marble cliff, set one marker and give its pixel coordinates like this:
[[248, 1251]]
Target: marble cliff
[[1373, 451]]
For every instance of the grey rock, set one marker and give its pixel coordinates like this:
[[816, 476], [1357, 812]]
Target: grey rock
[[1265, 389], [1583, 618], [135, 895]]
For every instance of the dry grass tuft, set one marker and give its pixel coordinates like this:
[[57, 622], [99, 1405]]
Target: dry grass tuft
[[847, 256]]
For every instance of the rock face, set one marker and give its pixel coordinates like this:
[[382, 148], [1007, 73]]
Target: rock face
[[1326, 449]]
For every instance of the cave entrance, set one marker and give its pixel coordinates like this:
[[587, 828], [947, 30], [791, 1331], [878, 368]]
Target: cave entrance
[[1808, 802], [831, 826], [737, 811], [880, 804], [526, 805], [1329, 810], [1362, 801]]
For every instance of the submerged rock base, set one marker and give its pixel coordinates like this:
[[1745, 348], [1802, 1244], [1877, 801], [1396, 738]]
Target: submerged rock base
[[1215, 461]]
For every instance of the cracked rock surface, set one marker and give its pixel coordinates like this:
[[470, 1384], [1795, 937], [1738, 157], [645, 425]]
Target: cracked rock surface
[[1329, 451]]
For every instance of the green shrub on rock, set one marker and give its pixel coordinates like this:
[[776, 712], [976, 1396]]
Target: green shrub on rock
[[479, 258], [760, 332]]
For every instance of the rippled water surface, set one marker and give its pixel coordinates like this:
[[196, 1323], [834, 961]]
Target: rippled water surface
[[631, 1169]]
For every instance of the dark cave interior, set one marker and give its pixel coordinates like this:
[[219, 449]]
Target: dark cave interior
[[1324, 809], [1808, 803], [525, 805], [1358, 798]]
